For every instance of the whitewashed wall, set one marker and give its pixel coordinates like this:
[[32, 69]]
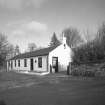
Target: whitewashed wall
[[35, 64], [64, 56], [44, 64], [21, 65]]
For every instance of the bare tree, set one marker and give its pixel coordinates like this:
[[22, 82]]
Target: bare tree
[[101, 32], [17, 50], [93, 51], [32, 47], [73, 37], [10, 51], [88, 35], [3, 48], [3, 42]]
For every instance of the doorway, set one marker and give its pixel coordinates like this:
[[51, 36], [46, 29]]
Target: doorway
[[31, 64], [55, 64]]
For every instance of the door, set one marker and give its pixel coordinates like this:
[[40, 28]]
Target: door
[[31, 64], [55, 64]]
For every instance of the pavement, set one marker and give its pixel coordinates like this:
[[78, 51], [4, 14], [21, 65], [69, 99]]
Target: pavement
[[32, 73]]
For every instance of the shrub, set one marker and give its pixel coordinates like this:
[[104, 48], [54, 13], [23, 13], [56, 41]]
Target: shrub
[[75, 73], [100, 73], [83, 70], [89, 73], [83, 73]]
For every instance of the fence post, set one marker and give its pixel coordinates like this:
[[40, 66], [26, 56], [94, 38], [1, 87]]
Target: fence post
[[69, 69], [50, 69]]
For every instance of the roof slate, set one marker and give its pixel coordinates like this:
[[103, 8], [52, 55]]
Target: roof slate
[[40, 52]]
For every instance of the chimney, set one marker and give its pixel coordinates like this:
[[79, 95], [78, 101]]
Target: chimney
[[63, 39]]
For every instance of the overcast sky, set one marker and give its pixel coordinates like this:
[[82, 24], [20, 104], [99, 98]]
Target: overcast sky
[[25, 21]]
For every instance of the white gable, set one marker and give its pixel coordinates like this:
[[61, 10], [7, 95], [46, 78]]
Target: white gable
[[64, 54]]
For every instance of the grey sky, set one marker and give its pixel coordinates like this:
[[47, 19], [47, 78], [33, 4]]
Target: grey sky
[[27, 21]]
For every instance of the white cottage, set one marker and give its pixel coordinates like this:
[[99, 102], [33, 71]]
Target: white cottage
[[51, 59]]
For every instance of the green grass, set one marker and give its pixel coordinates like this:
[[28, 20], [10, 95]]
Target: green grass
[[53, 89]]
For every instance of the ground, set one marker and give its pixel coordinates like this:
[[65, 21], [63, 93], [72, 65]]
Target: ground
[[52, 89]]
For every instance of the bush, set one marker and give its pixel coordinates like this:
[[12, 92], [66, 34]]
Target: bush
[[75, 73], [84, 70], [100, 74], [83, 73], [89, 73]]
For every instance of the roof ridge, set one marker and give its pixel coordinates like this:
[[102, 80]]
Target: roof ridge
[[39, 52]]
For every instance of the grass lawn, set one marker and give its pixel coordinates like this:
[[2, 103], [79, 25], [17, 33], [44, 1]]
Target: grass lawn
[[53, 89]]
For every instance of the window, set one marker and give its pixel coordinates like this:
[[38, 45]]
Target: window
[[25, 62], [64, 46], [15, 63], [18, 63], [40, 62]]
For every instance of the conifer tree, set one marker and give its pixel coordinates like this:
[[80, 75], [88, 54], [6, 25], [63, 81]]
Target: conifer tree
[[54, 40]]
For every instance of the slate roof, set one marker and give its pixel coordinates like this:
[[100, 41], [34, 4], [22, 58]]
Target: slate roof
[[40, 52]]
